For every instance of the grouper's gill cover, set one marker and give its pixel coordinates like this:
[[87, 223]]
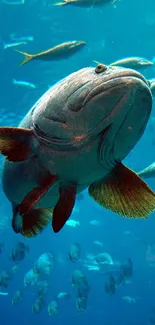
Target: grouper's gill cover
[[75, 137]]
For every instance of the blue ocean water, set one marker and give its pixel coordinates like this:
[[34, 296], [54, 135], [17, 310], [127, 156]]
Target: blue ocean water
[[111, 32]]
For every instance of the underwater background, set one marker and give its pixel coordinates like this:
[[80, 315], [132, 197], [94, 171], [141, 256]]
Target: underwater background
[[111, 32]]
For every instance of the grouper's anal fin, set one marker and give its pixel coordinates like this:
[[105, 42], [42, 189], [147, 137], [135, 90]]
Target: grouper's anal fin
[[28, 220], [15, 143], [31, 223], [64, 206]]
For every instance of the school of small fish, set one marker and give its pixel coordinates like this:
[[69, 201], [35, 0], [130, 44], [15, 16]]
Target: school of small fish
[[39, 279]]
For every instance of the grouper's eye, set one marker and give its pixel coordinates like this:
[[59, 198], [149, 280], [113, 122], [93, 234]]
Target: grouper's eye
[[100, 68]]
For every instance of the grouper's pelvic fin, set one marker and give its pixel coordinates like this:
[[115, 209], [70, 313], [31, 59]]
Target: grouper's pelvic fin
[[28, 220], [64, 206], [15, 143], [27, 57], [124, 193]]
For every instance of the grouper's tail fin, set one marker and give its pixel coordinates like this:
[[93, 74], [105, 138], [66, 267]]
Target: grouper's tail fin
[[27, 57]]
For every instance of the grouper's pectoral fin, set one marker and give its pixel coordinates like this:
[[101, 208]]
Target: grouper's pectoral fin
[[125, 193], [26, 219], [15, 143], [64, 207]]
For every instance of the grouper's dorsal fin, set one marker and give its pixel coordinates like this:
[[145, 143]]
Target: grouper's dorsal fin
[[64, 206], [15, 143], [125, 193]]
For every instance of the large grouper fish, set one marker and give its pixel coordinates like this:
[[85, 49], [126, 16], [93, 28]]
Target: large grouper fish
[[74, 138]]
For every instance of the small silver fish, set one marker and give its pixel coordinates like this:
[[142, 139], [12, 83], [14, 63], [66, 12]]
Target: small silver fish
[[4, 293], [23, 83], [61, 51], [84, 3], [92, 267], [148, 172], [130, 299], [63, 295], [72, 223], [13, 44], [97, 242], [133, 63], [95, 222], [22, 38]]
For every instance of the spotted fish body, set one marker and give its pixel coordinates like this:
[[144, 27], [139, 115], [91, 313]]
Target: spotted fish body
[[74, 138]]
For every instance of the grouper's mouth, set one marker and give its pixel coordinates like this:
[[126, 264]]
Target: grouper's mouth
[[62, 143], [111, 84]]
